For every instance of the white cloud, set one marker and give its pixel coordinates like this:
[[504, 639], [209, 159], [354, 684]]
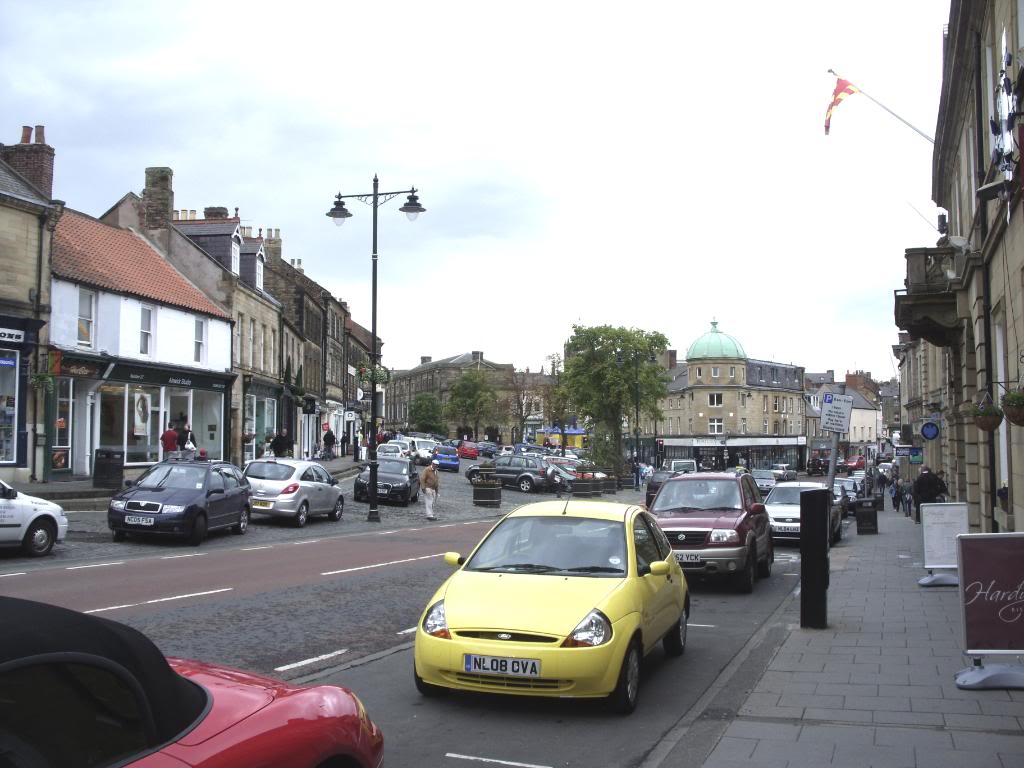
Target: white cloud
[[653, 165]]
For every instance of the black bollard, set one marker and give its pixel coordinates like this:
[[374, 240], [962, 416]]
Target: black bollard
[[815, 512]]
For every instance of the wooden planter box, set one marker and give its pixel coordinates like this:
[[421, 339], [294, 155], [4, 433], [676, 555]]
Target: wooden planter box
[[611, 484], [586, 487], [487, 493]]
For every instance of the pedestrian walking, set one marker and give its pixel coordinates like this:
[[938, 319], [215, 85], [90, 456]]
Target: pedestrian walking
[[282, 445], [169, 441], [906, 496], [943, 488], [329, 441], [927, 488], [431, 487], [187, 442]]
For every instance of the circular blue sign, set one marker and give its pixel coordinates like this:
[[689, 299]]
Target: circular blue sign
[[929, 430]]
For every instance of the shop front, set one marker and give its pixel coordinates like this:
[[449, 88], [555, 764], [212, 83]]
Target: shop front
[[259, 423], [18, 337], [104, 404]]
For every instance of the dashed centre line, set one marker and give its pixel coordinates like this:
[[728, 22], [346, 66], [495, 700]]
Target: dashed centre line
[[313, 660], [456, 756], [380, 565], [160, 600], [253, 549], [190, 554], [94, 565], [19, 573]]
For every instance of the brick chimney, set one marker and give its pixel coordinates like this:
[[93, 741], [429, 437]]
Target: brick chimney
[[216, 212], [158, 198], [33, 161]]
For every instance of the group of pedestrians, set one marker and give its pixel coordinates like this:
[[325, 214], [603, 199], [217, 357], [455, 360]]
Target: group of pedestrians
[[179, 442], [929, 488]]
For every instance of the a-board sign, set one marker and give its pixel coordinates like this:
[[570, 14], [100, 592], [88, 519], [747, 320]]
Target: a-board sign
[[941, 524], [991, 570], [835, 412]]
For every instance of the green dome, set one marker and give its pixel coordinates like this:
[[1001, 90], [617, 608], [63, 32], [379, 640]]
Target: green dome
[[714, 344]]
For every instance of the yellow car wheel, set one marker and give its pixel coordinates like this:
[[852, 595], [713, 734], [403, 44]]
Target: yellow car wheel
[[626, 694]]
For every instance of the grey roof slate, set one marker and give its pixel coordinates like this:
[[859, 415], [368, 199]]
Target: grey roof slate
[[190, 228], [14, 185]]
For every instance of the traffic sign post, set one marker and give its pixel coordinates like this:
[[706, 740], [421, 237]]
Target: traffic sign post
[[835, 418]]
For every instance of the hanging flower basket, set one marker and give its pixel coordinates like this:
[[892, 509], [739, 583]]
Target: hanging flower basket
[[1013, 406], [374, 375], [987, 417], [248, 436]]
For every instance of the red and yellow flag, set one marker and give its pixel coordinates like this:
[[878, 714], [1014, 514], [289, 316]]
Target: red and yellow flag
[[843, 89]]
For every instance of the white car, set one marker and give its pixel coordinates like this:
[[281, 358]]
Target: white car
[[765, 479], [783, 507], [30, 523], [404, 445], [506, 450], [422, 449]]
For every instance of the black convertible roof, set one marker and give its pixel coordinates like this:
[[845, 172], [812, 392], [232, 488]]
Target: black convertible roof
[[30, 630]]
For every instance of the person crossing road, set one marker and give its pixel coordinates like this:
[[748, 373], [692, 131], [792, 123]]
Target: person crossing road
[[431, 486]]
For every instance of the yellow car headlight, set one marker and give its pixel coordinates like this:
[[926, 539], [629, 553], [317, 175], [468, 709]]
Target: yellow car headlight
[[434, 623], [594, 630]]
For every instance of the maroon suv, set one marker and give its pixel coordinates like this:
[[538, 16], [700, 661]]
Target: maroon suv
[[717, 524]]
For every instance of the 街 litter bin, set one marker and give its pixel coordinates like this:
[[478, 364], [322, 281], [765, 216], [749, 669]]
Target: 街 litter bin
[[108, 469]]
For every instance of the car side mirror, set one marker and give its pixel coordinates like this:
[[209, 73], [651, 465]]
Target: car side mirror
[[334, 481], [129, 483], [757, 509], [454, 559], [659, 568], [10, 493]]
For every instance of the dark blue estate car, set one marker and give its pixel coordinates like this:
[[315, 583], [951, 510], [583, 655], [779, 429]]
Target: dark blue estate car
[[182, 498], [447, 458]]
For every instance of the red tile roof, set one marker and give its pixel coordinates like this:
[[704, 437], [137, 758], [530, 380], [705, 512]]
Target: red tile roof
[[88, 251]]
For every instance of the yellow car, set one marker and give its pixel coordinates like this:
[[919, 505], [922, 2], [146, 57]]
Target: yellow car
[[559, 599]]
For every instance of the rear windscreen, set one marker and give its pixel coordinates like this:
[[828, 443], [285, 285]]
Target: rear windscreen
[[264, 470]]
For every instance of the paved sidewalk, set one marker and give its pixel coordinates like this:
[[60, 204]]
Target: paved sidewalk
[[876, 688]]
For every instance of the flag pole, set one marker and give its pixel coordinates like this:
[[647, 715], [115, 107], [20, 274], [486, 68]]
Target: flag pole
[[909, 125]]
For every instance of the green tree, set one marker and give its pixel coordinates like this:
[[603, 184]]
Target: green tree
[[557, 406], [472, 400], [606, 369], [425, 414]]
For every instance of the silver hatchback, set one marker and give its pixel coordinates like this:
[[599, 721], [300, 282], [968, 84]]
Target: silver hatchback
[[293, 489]]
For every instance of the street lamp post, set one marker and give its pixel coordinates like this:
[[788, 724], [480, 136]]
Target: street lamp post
[[339, 213]]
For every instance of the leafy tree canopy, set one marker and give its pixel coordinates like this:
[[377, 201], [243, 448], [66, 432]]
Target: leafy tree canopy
[[472, 400], [425, 414]]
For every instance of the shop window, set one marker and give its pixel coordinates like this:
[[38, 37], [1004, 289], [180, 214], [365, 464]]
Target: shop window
[[60, 455], [249, 428], [146, 331], [86, 317], [200, 340], [715, 426], [112, 407], [207, 421], [8, 404], [143, 438]]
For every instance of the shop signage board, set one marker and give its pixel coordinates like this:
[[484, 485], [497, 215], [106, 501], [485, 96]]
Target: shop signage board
[[835, 412], [929, 430], [991, 569], [350, 415], [941, 524], [12, 335], [903, 450], [156, 377], [917, 455]]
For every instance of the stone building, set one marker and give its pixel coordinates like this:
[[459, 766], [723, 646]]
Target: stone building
[[724, 408], [228, 264], [28, 217], [960, 309], [436, 377]]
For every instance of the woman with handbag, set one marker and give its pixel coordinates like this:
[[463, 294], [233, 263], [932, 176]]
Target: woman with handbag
[[187, 442]]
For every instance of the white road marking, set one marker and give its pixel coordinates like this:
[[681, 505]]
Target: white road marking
[[190, 554], [94, 565], [19, 573], [705, 626], [446, 525], [307, 541], [471, 522], [386, 533], [159, 600], [492, 760], [111, 608], [381, 565], [791, 574], [190, 594], [253, 549], [315, 659], [406, 631]]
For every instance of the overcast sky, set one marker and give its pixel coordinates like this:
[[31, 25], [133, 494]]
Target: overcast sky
[[652, 164]]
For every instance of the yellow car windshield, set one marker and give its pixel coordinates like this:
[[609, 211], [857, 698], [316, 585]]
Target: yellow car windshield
[[564, 545]]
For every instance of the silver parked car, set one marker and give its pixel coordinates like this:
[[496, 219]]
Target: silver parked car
[[783, 505], [293, 489]]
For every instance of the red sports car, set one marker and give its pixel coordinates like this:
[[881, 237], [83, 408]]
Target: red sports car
[[468, 450], [117, 700]]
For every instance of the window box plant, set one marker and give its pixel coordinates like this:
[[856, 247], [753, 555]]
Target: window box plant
[[1013, 406]]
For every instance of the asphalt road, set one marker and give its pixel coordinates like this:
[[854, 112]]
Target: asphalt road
[[336, 602]]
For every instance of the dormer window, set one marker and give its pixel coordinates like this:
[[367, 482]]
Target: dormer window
[[259, 274], [236, 257]]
